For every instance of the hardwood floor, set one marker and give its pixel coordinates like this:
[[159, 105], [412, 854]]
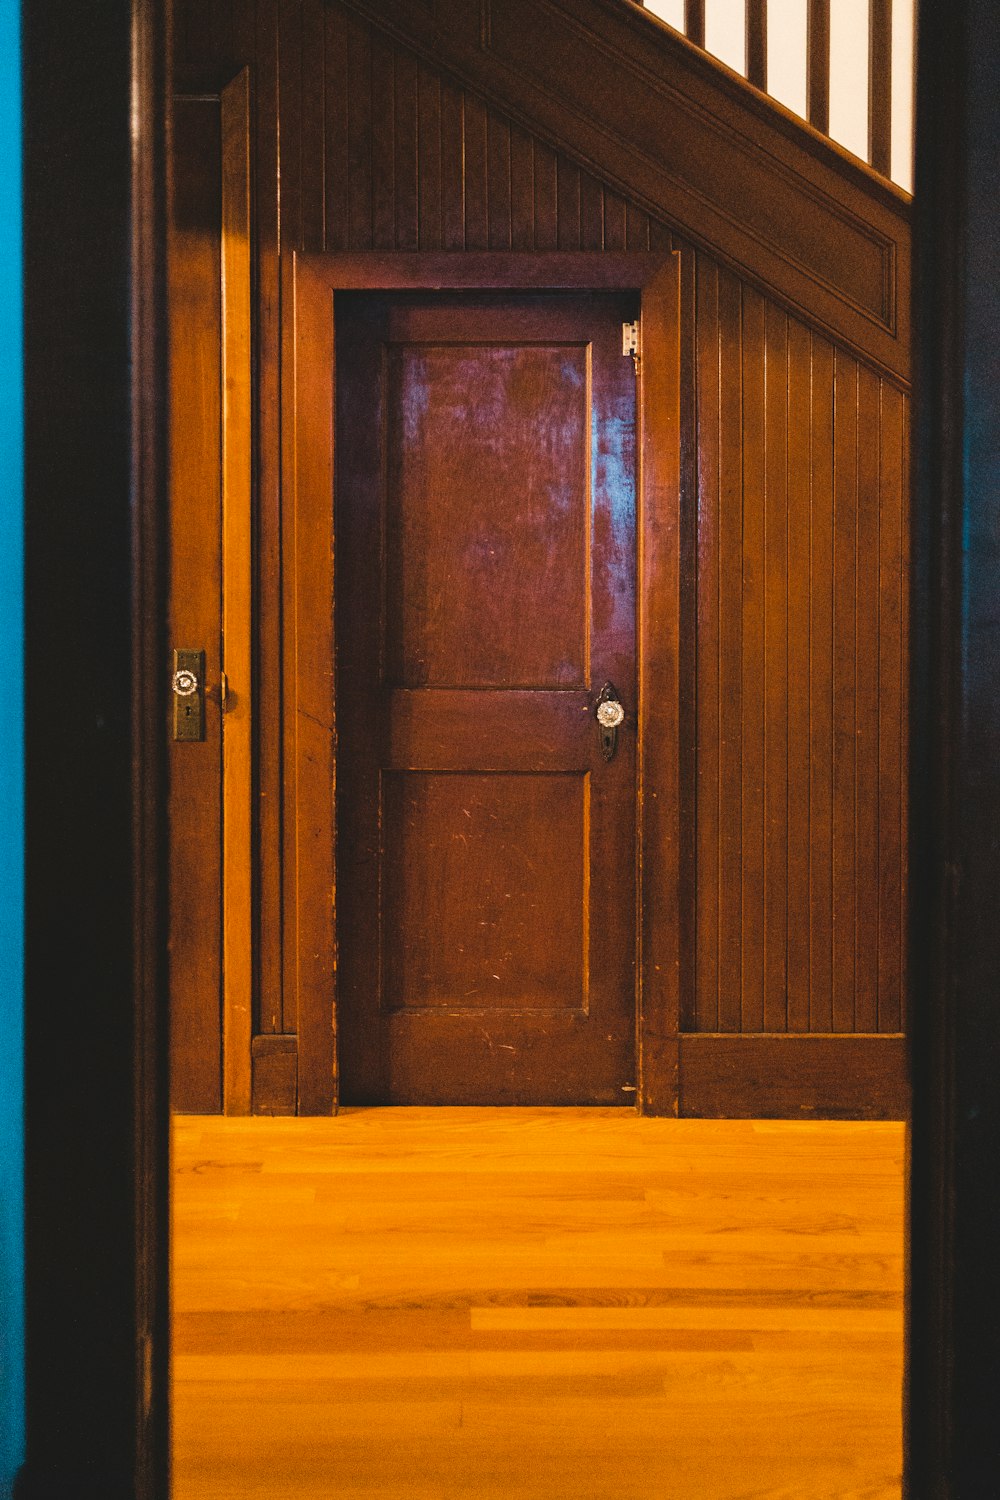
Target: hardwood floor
[[456, 1304]]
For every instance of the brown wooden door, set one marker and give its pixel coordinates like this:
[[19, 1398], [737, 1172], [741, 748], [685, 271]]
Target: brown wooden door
[[485, 558], [195, 805], [209, 838]]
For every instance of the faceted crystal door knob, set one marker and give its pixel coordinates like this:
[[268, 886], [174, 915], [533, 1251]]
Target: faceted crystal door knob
[[610, 715], [185, 683]]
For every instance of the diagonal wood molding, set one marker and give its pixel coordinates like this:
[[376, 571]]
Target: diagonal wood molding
[[692, 143]]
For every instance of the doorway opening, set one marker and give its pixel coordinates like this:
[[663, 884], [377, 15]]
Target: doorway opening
[[485, 583], [437, 811]]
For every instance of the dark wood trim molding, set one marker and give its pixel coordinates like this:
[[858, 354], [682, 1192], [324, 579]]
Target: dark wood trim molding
[[95, 100], [237, 594], [146, 1382], [794, 1077], [309, 712], [953, 1438], [661, 730], [275, 1074], [599, 270], [308, 706], [692, 144]]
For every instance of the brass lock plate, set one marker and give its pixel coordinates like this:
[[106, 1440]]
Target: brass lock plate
[[188, 685]]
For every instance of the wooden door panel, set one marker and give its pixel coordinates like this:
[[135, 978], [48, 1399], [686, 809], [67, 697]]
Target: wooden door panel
[[482, 909], [485, 550], [488, 483], [210, 807], [438, 728]]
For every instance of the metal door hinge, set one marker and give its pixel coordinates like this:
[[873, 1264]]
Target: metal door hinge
[[630, 341]]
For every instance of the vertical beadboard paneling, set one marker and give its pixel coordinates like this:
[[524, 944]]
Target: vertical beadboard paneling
[[522, 190], [799, 683], [845, 666], [289, 104], [430, 154], [660, 237], [312, 129], [403, 159], [405, 151], [498, 181], [568, 203], [475, 174], [776, 809], [893, 487], [801, 703], [753, 727], [866, 738], [452, 137], [821, 690], [729, 375], [336, 133], [356, 38], [614, 221], [382, 118], [591, 213], [710, 733]]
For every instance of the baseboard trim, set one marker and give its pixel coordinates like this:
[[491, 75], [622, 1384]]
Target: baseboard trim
[[794, 1077], [275, 1060]]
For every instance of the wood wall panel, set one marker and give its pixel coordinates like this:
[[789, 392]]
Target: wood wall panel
[[415, 163], [801, 707], [799, 698], [892, 745]]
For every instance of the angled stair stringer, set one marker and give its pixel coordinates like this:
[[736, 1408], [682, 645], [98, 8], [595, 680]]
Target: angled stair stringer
[[696, 146]]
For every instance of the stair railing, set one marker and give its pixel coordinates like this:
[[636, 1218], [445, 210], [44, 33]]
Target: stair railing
[[889, 136]]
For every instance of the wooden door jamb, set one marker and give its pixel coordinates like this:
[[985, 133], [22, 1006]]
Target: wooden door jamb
[[308, 405], [237, 624]]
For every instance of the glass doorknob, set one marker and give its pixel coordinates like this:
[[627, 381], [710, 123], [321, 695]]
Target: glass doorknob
[[610, 715]]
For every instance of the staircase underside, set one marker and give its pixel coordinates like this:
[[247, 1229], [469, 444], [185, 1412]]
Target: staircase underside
[[656, 118]]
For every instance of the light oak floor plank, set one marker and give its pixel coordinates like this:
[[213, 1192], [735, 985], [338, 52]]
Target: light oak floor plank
[[461, 1304]]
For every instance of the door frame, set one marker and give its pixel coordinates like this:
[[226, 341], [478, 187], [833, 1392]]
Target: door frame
[[308, 406], [96, 81]]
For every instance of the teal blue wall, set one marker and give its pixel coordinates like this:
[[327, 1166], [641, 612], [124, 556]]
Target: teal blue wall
[[11, 760]]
